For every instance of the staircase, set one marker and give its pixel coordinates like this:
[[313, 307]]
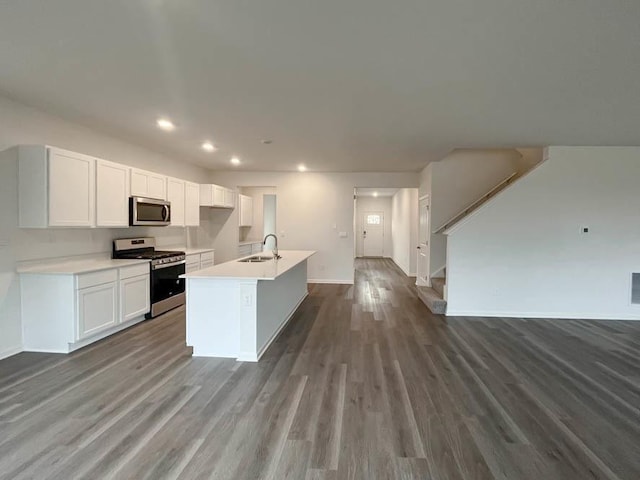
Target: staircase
[[433, 297]]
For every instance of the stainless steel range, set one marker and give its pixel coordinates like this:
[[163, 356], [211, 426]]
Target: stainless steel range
[[167, 288]]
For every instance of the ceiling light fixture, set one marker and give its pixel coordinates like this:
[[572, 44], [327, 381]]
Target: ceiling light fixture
[[235, 160], [375, 194], [165, 124], [302, 168], [209, 147]]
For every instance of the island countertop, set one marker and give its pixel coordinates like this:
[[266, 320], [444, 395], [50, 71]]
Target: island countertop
[[269, 270]]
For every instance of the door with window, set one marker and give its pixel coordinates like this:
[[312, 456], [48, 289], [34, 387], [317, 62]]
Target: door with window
[[423, 242], [373, 234]]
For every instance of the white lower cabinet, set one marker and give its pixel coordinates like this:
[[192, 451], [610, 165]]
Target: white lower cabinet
[[134, 297], [198, 261], [97, 309], [64, 312]]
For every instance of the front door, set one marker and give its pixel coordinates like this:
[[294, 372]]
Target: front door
[[423, 242], [373, 234]]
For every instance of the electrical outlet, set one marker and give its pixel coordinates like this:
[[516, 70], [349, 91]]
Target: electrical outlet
[[584, 230]]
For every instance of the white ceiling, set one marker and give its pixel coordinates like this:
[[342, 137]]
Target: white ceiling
[[359, 85]]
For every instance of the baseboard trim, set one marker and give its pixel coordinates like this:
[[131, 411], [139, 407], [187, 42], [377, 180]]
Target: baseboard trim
[[243, 357], [323, 280], [9, 352], [546, 315]]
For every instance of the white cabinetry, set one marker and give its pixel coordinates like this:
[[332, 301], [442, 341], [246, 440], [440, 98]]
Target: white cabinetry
[[112, 194], [97, 309], [217, 196], [135, 299], [175, 195], [198, 261], [148, 184], [246, 211], [56, 188], [192, 204], [63, 312]]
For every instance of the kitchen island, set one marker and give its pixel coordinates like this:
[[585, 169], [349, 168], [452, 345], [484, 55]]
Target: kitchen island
[[236, 309]]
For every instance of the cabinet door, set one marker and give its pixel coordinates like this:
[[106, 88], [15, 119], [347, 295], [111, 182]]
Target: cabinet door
[[206, 260], [192, 204], [157, 186], [206, 195], [97, 309], [112, 194], [218, 196], [246, 210], [229, 198], [134, 297], [148, 184], [192, 263], [71, 189], [175, 195]]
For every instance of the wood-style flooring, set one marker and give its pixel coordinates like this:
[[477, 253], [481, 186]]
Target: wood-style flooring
[[364, 383]]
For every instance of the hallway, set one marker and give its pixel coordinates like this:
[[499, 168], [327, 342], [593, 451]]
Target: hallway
[[364, 383]]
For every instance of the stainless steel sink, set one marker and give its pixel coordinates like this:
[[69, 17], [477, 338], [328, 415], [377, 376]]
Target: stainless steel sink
[[256, 259]]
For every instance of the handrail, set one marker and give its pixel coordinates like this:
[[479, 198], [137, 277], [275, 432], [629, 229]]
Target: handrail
[[463, 213]]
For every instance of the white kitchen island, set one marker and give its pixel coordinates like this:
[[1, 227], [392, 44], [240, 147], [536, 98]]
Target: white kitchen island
[[236, 309]]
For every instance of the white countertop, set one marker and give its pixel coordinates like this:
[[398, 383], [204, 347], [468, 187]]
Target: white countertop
[[269, 270], [72, 266], [194, 251]]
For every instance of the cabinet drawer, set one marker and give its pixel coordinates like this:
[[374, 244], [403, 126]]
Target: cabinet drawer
[[134, 271], [206, 264], [85, 280], [206, 257]]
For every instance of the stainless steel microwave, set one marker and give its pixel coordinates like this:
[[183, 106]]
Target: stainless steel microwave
[[149, 211]]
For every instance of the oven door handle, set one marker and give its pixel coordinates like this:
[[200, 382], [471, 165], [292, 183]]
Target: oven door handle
[[167, 265]]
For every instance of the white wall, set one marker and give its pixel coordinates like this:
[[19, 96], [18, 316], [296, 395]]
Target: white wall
[[23, 125], [374, 204], [309, 204], [458, 180], [404, 214], [523, 253]]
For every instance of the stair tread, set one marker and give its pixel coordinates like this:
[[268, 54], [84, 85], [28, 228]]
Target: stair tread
[[432, 299]]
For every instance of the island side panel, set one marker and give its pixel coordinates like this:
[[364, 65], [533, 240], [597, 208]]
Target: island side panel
[[213, 317], [277, 302]]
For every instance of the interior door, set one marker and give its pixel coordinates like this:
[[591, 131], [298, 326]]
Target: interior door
[[423, 242], [373, 234]]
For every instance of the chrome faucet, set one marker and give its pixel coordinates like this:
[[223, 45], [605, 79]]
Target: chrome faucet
[[275, 250]]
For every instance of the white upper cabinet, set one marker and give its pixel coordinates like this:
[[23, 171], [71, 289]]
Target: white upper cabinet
[[246, 210], [148, 184], [56, 188], [192, 204], [217, 196], [176, 195], [112, 194]]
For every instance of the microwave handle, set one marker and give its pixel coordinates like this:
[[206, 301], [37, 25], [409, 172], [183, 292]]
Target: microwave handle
[[165, 213]]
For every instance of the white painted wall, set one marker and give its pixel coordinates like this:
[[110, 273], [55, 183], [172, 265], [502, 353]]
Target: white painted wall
[[309, 204], [23, 125], [523, 254], [404, 215], [374, 204], [458, 180]]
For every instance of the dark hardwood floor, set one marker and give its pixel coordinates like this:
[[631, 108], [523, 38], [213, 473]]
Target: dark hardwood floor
[[364, 383]]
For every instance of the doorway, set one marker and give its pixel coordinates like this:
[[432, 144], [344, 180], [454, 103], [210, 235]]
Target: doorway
[[422, 277], [373, 234]]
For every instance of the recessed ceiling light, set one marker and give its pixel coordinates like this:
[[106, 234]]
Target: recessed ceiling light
[[165, 124], [375, 194], [302, 168], [209, 147], [235, 160]]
